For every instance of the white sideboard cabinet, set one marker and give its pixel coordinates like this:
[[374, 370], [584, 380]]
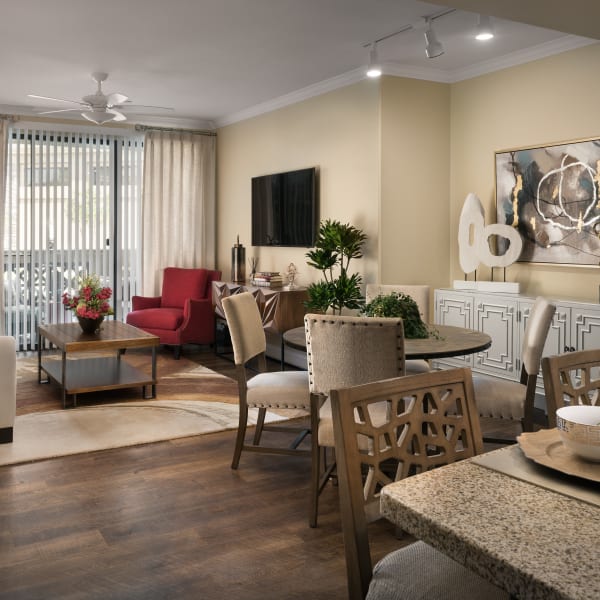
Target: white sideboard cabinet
[[576, 326]]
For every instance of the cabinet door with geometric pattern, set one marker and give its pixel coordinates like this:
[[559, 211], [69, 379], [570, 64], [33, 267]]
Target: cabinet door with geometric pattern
[[456, 309], [496, 315], [585, 327]]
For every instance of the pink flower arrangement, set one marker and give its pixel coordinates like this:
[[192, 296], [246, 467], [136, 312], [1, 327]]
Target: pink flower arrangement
[[91, 302]]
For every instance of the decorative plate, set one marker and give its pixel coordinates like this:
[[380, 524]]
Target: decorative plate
[[545, 448]]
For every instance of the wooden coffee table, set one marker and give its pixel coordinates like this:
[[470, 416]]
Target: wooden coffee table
[[80, 374]]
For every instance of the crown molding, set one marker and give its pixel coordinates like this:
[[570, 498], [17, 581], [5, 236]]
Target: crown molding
[[310, 91], [27, 112], [426, 73], [520, 57], [174, 122], [563, 44]]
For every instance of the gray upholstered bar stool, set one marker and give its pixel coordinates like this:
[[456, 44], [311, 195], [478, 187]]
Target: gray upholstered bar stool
[[344, 351]]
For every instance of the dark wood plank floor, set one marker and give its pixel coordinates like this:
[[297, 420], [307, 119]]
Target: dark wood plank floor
[[171, 520]]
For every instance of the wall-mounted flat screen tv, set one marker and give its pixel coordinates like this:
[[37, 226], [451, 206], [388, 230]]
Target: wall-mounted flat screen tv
[[285, 209]]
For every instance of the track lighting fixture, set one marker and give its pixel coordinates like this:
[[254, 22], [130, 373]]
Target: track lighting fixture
[[433, 48], [374, 69], [485, 31]]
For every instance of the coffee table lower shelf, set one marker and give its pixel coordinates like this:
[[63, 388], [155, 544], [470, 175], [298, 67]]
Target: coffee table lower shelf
[[84, 375]]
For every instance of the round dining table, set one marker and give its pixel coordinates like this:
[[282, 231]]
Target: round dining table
[[449, 341]]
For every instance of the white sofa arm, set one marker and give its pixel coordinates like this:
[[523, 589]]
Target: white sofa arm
[[8, 388]]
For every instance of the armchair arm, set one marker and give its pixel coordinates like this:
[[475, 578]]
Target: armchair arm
[[143, 302], [198, 321]]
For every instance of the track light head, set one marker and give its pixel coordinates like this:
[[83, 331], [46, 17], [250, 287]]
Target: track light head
[[433, 46], [485, 31], [374, 68]]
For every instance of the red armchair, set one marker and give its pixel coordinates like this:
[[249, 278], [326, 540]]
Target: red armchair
[[183, 313]]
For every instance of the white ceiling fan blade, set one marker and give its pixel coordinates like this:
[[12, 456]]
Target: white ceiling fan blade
[[118, 116], [56, 99], [130, 106], [49, 112], [116, 98]]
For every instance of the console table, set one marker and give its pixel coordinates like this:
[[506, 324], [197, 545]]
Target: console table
[[503, 316], [280, 308]]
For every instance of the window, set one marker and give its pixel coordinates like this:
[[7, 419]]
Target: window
[[72, 207]]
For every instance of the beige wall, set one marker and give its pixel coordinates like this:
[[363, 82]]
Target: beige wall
[[550, 100], [397, 159], [336, 132], [415, 173]]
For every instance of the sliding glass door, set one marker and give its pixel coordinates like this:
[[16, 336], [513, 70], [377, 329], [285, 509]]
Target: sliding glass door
[[73, 206]]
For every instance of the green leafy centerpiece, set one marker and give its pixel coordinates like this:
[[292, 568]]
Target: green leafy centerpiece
[[400, 305]]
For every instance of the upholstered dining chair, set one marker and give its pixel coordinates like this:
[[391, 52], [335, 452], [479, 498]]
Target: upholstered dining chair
[[279, 389], [183, 313], [432, 421], [420, 294], [514, 400], [344, 351], [571, 378]]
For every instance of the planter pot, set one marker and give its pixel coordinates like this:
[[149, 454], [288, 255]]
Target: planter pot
[[90, 325]]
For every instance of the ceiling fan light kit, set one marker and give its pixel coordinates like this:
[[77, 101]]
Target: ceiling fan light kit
[[97, 117]]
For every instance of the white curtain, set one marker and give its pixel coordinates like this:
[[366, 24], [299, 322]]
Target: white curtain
[[178, 204], [3, 142]]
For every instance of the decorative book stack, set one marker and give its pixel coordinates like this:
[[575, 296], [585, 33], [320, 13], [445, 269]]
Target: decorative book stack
[[267, 279]]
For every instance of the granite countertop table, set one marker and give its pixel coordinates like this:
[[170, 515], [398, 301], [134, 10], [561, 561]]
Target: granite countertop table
[[533, 542]]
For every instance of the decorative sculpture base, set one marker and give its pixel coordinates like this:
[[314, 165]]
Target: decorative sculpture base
[[504, 287]]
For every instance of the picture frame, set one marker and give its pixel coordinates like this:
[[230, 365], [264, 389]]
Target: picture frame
[[550, 195]]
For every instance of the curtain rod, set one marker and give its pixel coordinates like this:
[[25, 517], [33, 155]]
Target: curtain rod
[[174, 129], [11, 118]]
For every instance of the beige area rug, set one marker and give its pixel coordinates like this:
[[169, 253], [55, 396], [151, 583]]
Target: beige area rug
[[43, 435], [184, 379]]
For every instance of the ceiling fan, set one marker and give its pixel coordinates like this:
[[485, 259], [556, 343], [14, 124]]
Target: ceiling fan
[[99, 107]]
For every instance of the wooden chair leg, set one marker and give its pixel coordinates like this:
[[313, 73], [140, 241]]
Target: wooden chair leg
[[260, 423], [529, 381], [315, 467], [241, 436], [314, 487]]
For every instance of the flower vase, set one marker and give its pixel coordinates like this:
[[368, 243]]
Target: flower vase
[[90, 325]]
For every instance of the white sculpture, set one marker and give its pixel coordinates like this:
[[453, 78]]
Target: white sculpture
[[473, 238]]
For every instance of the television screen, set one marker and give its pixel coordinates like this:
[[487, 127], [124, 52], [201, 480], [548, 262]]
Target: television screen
[[284, 209]]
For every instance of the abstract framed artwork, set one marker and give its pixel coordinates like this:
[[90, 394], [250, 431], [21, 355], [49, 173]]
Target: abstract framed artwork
[[550, 195]]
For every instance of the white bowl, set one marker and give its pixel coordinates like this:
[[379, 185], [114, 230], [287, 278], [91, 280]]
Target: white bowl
[[579, 429]]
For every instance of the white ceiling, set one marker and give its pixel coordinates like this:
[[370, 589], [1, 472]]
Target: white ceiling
[[217, 61]]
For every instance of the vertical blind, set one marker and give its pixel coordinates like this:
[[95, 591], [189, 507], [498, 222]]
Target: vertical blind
[[72, 207]]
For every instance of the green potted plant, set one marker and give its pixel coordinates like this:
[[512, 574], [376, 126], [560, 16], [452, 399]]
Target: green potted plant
[[401, 305], [336, 245]]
